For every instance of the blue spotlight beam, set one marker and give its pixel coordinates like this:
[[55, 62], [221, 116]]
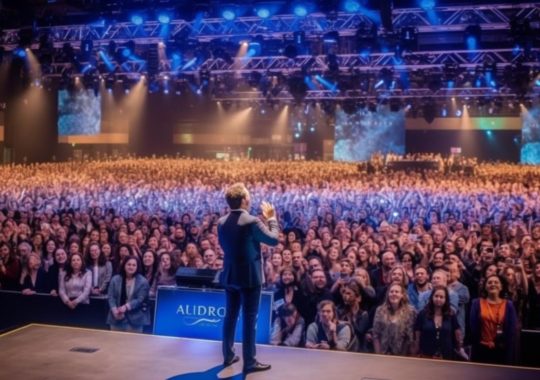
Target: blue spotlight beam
[[326, 83]]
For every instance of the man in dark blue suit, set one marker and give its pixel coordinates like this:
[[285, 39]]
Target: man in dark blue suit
[[240, 236]]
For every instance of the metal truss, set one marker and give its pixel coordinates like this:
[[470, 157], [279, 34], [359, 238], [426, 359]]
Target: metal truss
[[322, 95], [348, 63], [367, 63], [455, 18], [489, 17], [132, 69]]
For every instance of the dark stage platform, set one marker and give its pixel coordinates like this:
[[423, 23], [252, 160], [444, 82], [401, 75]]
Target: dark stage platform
[[53, 352]]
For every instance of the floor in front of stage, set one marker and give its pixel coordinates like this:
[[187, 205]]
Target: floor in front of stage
[[54, 352]]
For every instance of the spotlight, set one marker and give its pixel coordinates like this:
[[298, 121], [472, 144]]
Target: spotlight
[[228, 14], [472, 37], [427, 5], [137, 19], [263, 12], [164, 18], [302, 9], [444, 111], [351, 6], [19, 53]]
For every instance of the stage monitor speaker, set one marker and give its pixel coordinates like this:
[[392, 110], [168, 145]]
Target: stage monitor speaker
[[197, 278]]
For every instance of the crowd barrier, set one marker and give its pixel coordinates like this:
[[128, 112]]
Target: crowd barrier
[[18, 310]]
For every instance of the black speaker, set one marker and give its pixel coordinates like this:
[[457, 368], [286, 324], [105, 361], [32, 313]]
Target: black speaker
[[197, 278]]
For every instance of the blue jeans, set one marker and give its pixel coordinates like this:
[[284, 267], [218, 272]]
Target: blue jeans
[[249, 299]]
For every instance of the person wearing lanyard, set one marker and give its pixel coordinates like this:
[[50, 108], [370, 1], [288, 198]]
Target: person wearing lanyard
[[493, 325]]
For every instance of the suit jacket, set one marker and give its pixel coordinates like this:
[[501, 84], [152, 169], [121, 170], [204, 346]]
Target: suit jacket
[[240, 235], [139, 314]]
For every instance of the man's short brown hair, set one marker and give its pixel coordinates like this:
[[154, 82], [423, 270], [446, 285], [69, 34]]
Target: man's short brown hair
[[234, 195]]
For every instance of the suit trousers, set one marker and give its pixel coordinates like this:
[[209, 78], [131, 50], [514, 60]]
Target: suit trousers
[[249, 299]]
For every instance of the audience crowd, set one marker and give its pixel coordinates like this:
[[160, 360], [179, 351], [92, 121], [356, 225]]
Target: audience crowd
[[432, 264]]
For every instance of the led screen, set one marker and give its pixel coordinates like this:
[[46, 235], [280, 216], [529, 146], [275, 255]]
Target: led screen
[[530, 137], [79, 112], [361, 134]]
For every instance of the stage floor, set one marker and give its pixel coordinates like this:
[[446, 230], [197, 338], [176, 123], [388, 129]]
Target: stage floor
[[47, 352]]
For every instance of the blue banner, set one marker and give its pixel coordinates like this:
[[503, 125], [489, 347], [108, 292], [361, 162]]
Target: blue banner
[[199, 313]]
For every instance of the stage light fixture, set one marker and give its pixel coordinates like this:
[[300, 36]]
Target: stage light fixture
[[263, 12], [300, 11], [21, 53], [409, 38], [228, 14], [137, 19], [472, 36], [164, 18], [351, 6], [302, 8], [427, 5]]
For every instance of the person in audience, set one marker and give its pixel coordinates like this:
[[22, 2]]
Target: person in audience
[[74, 247], [327, 332], [286, 290], [393, 323], [106, 249], [493, 322], [454, 285], [166, 275], [440, 278], [437, 332], [407, 260], [48, 254], [57, 270], [533, 299], [354, 313], [419, 286], [380, 276], [396, 274], [10, 268], [272, 270], [128, 298], [150, 264], [313, 292], [76, 284], [288, 327], [33, 276], [286, 256], [516, 288], [100, 268], [123, 251]]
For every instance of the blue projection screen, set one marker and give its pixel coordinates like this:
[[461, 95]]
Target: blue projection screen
[[359, 135], [79, 112], [530, 137]]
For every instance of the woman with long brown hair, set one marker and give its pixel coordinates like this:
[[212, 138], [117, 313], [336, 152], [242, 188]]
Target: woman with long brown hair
[[437, 333], [393, 323]]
